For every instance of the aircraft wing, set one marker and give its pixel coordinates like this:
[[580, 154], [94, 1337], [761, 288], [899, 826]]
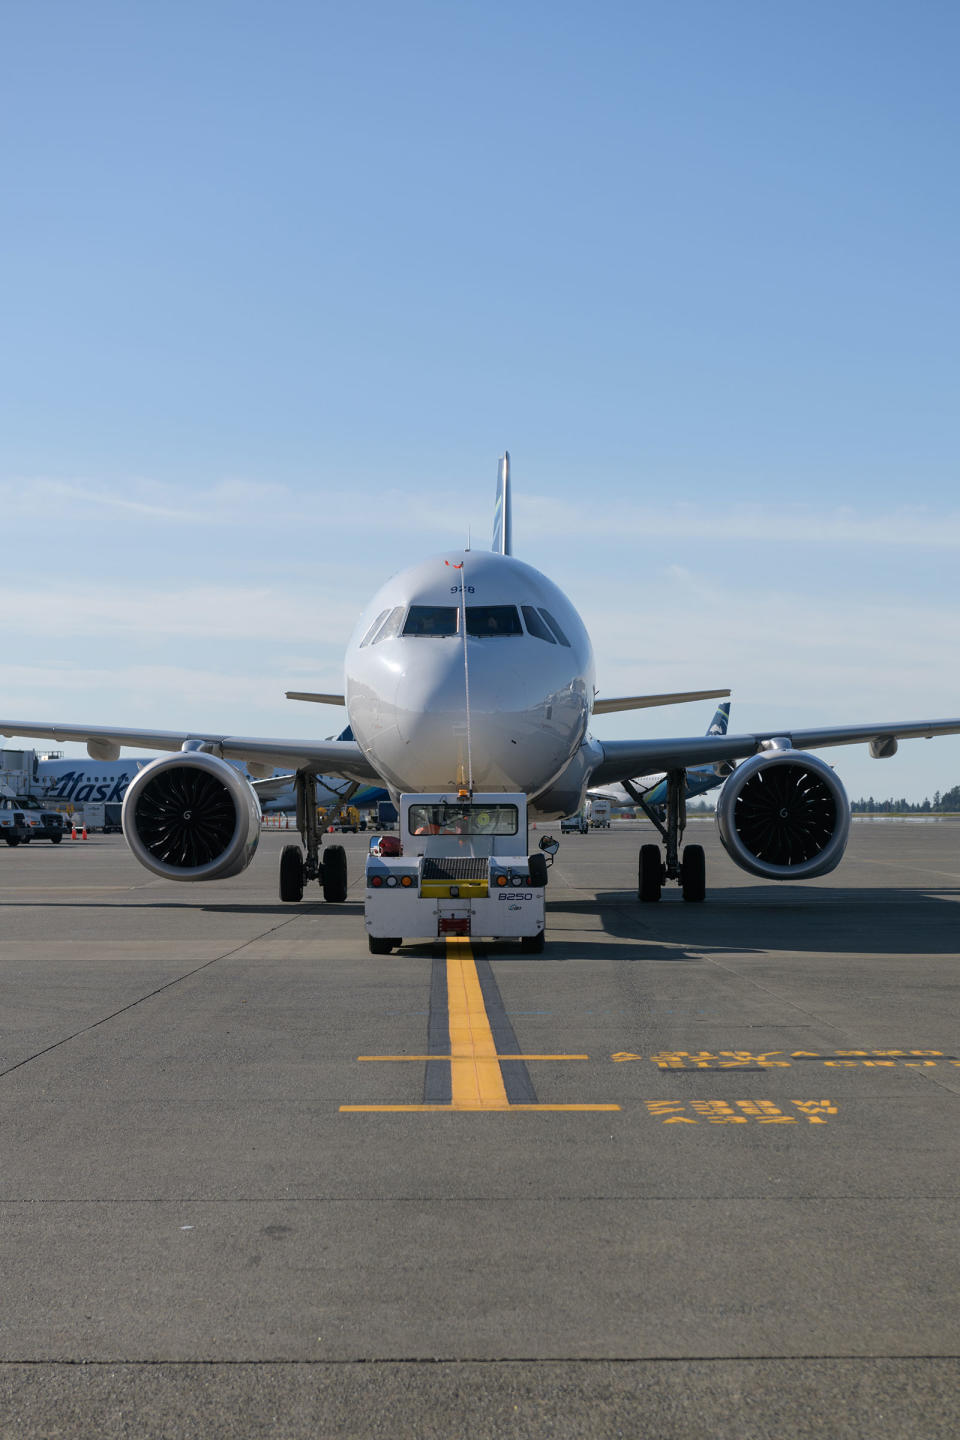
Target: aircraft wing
[[331, 757], [266, 790], [622, 759], [318, 697], [645, 702]]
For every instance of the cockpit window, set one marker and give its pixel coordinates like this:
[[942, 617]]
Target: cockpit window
[[537, 625], [555, 627], [374, 628], [390, 626], [431, 620], [493, 620]]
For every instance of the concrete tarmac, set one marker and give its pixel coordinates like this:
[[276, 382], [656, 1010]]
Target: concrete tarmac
[[761, 1241]]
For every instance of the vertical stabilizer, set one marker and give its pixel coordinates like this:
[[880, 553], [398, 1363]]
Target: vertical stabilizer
[[718, 725], [502, 523]]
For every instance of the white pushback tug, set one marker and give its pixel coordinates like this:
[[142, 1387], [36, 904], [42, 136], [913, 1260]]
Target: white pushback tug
[[458, 866]]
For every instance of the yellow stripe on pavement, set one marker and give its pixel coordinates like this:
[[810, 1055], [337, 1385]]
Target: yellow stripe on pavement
[[475, 1075]]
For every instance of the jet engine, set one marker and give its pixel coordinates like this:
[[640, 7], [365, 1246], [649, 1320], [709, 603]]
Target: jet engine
[[784, 815], [191, 816]]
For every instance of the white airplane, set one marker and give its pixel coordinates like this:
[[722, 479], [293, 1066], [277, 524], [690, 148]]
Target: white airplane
[[470, 671]]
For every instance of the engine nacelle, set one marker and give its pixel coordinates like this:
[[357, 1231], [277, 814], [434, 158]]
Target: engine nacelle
[[191, 816], [784, 816]]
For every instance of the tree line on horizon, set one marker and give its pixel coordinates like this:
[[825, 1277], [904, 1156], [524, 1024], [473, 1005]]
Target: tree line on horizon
[[948, 801]]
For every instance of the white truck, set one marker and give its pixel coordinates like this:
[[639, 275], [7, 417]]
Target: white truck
[[458, 866], [14, 827], [598, 813]]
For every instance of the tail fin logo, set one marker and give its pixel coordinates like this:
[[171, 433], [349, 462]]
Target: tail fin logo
[[720, 721]]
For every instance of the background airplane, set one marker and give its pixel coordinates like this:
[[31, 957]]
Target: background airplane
[[79, 782], [473, 670], [651, 790]]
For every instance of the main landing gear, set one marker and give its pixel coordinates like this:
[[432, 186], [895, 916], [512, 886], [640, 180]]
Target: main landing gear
[[296, 869], [689, 871]]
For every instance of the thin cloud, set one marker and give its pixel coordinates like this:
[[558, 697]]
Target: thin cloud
[[439, 510], [103, 611], [55, 492], [915, 526], [254, 506]]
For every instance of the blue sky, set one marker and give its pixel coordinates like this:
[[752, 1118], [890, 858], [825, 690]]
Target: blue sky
[[280, 282]]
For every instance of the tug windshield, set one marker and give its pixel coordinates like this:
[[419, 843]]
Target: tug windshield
[[463, 820]]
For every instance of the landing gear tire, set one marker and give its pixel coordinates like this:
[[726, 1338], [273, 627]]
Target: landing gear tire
[[533, 944], [383, 944], [334, 861], [649, 873], [693, 873], [291, 874]]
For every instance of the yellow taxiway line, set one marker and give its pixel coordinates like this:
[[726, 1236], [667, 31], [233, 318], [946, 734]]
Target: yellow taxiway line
[[475, 1074], [453, 1057]]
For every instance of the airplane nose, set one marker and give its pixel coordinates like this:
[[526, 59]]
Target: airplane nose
[[431, 720], [433, 690], [503, 746]]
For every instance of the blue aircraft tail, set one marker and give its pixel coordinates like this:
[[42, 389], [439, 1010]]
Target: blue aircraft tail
[[718, 725]]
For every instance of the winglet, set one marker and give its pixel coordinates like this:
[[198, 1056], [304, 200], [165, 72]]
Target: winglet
[[502, 521]]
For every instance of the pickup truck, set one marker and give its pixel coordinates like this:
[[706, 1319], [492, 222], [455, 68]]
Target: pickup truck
[[43, 823], [13, 822], [458, 866]]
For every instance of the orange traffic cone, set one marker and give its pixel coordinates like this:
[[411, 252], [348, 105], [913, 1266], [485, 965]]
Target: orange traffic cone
[[73, 832], [83, 834]]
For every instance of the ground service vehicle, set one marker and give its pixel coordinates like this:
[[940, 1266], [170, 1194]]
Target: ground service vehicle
[[340, 817], [459, 866], [598, 813], [100, 816], [386, 816], [574, 824], [45, 824], [13, 822]]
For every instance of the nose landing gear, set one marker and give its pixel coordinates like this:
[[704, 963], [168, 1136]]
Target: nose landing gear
[[653, 870], [296, 868]]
